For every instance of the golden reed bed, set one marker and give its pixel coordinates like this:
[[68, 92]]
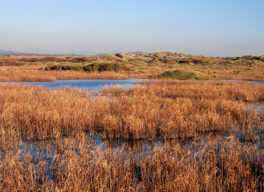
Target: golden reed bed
[[164, 110], [208, 112]]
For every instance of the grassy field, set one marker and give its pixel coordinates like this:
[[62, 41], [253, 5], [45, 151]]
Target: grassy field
[[186, 136], [121, 66]]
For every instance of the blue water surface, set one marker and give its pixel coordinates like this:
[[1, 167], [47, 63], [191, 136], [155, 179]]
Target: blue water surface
[[91, 85]]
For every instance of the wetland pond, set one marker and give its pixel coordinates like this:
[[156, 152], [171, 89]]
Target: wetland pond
[[96, 85], [90, 85], [47, 151]]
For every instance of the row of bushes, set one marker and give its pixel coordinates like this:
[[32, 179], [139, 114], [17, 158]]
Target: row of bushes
[[250, 57], [56, 59], [90, 67], [247, 57], [61, 59]]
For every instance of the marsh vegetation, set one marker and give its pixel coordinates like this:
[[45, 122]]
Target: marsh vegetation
[[159, 136], [122, 66]]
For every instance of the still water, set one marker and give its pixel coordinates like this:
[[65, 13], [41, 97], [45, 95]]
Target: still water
[[96, 85], [91, 85]]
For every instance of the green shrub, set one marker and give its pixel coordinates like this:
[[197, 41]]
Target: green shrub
[[177, 74], [64, 67], [119, 55], [90, 67], [250, 57]]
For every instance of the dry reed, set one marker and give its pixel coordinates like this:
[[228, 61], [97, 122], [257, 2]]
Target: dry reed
[[79, 166], [166, 110], [43, 76]]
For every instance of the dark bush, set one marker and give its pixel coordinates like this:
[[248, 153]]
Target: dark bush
[[235, 58], [79, 60], [250, 57], [119, 55], [183, 61], [44, 59], [196, 61]]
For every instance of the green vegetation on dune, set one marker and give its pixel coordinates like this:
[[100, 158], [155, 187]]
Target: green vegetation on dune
[[146, 65], [181, 75], [89, 67]]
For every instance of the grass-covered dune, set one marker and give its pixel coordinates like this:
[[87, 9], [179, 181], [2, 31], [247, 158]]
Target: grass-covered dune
[[145, 65]]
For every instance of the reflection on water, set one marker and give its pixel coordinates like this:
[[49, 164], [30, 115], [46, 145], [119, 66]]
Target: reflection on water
[[56, 152], [91, 85], [255, 107], [46, 150], [95, 85]]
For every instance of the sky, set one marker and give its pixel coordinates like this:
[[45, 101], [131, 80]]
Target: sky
[[89, 27]]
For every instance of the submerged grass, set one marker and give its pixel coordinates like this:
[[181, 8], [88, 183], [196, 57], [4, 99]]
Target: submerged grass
[[155, 110], [76, 165]]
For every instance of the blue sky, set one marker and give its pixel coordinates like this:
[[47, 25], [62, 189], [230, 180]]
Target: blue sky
[[201, 27]]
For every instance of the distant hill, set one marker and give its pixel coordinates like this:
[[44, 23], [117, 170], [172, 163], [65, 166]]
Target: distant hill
[[8, 52], [5, 52]]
